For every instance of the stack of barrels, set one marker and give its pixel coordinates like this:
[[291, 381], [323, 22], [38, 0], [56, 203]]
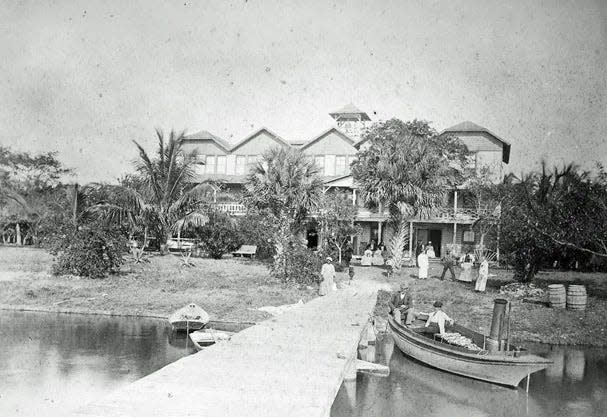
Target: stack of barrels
[[573, 299]]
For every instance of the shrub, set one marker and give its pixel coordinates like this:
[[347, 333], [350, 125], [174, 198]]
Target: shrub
[[92, 250], [302, 266], [219, 235], [257, 228]]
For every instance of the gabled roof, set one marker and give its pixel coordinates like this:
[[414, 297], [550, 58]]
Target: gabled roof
[[324, 134], [256, 133], [350, 109], [471, 127], [205, 135]]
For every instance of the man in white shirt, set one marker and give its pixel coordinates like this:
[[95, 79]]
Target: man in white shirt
[[439, 317]]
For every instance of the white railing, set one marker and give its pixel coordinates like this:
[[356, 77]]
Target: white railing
[[232, 208]]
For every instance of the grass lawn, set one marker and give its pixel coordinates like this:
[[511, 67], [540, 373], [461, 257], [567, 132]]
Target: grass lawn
[[529, 322], [232, 289], [228, 289]]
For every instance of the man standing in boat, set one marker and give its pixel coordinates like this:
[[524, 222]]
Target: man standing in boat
[[402, 304]]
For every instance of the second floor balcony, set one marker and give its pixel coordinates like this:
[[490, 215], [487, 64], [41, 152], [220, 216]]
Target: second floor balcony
[[441, 215]]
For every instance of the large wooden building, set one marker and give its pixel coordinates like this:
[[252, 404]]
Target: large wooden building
[[333, 150]]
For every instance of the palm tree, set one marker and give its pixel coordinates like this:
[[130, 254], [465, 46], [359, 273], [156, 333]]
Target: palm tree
[[285, 183], [161, 195], [407, 168]]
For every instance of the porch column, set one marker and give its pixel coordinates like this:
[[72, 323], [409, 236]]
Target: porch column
[[454, 220], [214, 195], [379, 240], [410, 240], [354, 196]]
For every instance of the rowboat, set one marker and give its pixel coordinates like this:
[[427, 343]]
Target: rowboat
[[207, 337], [190, 317], [507, 367]]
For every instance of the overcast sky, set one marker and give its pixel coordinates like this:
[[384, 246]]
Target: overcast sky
[[86, 78]]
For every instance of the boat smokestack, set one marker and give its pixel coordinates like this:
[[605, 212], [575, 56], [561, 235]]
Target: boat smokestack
[[495, 334]]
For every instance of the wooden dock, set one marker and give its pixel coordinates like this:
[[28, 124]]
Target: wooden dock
[[290, 365]]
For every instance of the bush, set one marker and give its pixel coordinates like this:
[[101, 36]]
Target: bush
[[257, 228], [302, 266], [93, 251], [219, 235]]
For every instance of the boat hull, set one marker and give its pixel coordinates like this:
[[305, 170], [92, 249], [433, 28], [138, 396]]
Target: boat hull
[[184, 326], [190, 317], [494, 368]]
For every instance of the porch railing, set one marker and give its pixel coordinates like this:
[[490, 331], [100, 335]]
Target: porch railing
[[441, 213]]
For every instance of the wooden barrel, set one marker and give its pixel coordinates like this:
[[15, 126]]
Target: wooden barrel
[[556, 295], [576, 297]]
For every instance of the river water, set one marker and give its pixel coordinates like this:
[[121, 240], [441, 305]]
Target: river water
[[51, 364], [575, 385]]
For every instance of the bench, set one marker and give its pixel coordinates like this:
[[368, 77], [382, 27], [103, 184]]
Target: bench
[[245, 250]]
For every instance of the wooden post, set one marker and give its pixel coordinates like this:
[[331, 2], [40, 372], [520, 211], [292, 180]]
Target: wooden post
[[528, 377], [454, 221], [411, 242], [379, 240]]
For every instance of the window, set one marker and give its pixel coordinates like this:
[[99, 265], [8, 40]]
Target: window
[[221, 165], [210, 165], [468, 237], [350, 161], [319, 161], [340, 165], [241, 162], [330, 165], [201, 158], [251, 160]]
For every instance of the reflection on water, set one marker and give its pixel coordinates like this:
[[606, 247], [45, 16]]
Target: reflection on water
[[575, 385], [50, 364]]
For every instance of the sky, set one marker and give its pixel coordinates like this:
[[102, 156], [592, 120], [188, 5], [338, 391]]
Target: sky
[[85, 78]]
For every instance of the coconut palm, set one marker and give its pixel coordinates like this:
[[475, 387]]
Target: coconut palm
[[286, 183], [162, 195]]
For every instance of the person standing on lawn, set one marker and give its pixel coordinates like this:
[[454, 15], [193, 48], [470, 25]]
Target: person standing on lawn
[[483, 273], [423, 263], [328, 277], [447, 262]]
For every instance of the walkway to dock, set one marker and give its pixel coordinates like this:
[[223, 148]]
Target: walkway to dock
[[290, 365]]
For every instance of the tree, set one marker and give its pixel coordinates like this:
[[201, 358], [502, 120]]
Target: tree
[[28, 188], [408, 168], [553, 214], [336, 217], [286, 184], [486, 200], [161, 194]]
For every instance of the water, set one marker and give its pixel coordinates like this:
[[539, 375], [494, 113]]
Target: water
[[575, 385], [51, 364]]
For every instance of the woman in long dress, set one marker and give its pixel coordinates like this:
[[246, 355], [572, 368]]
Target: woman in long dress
[[483, 273], [378, 259], [367, 258], [466, 274], [328, 277], [422, 261]]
